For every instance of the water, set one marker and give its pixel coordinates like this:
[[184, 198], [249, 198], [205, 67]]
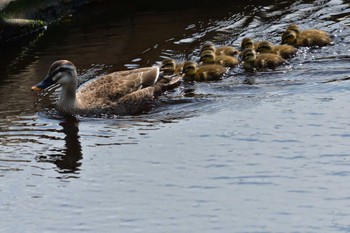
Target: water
[[268, 156]]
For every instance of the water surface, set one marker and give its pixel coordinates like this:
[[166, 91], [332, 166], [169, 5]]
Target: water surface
[[267, 152]]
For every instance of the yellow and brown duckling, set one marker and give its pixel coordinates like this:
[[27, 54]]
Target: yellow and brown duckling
[[285, 51], [211, 72], [209, 57], [169, 67], [221, 50], [253, 61], [311, 37], [248, 42]]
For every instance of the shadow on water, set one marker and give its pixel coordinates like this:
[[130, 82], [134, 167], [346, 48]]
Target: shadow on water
[[67, 159]]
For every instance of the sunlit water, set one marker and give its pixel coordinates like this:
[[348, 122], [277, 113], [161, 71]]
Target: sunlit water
[[252, 153]]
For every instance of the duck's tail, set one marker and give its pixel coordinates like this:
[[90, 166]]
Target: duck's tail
[[166, 83]]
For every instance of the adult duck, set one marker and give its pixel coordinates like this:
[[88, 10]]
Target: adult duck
[[118, 93]]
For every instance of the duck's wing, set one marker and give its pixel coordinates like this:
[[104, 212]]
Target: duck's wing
[[147, 76], [109, 88], [140, 100]]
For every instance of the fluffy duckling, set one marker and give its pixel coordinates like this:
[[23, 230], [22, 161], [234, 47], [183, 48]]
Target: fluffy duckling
[[222, 50], [285, 51], [249, 43], [203, 73], [294, 27], [118, 93], [312, 37], [209, 57], [170, 67], [253, 61]]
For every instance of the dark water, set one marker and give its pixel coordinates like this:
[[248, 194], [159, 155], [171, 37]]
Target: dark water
[[270, 155]]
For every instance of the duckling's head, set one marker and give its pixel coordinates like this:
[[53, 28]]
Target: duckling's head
[[168, 65], [247, 43], [295, 28], [208, 45], [289, 37], [248, 55], [265, 47], [189, 68], [207, 56], [61, 72]]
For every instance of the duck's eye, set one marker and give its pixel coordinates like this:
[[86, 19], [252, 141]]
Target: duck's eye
[[57, 77], [58, 73]]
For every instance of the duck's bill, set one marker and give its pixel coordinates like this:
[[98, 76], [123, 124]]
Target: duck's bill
[[47, 82]]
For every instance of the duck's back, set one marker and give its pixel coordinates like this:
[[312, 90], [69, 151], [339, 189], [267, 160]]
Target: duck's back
[[105, 91], [268, 60], [285, 51], [314, 37], [210, 72]]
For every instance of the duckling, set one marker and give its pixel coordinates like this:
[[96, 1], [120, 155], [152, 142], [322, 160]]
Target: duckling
[[227, 50], [203, 73], [253, 61], [208, 45], [170, 67], [118, 93], [249, 43], [294, 27], [209, 57], [285, 51], [222, 50], [312, 37]]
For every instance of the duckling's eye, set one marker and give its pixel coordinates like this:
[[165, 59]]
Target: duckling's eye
[[188, 68], [288, 37], [264, 47], [247, 55]]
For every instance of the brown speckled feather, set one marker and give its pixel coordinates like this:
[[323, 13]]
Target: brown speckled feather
[[106, 90]]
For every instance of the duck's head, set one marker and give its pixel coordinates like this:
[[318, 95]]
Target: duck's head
[[208, 45], [189, 68], [289, 37], [265, 47], [247, 43], [295, 28], [248, 55], [168, 65], [208, 56], [61, 72]]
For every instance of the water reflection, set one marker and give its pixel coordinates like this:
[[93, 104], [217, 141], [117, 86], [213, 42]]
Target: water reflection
[[68, 159]]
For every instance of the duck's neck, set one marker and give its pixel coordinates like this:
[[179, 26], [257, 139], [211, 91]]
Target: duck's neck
[[68, 101]]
